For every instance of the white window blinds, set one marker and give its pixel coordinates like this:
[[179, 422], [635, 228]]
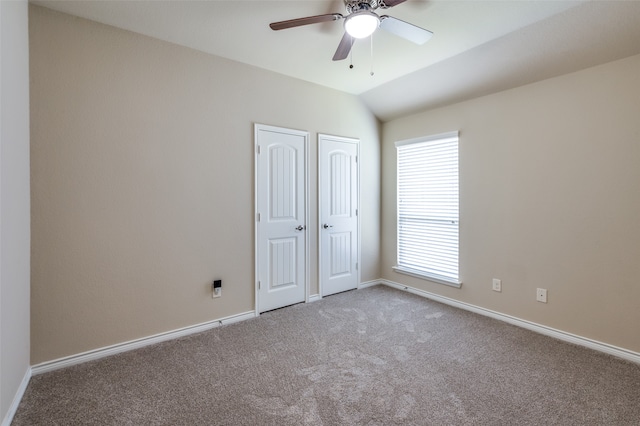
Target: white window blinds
[[428, 208]]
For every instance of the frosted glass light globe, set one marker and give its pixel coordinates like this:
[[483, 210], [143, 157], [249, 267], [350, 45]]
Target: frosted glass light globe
[[361, 24]]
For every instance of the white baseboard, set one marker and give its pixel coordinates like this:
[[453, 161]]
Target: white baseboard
[[314, 298], [369, 284], [137, 343], [538, 328], [150, 340], [8, 418]]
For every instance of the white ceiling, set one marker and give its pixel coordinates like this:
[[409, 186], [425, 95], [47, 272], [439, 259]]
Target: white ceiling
[[478, 46]]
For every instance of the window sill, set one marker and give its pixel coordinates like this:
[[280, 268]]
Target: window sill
[[429, 277]]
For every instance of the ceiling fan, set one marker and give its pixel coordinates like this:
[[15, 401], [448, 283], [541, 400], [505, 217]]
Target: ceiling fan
[[361, 21]]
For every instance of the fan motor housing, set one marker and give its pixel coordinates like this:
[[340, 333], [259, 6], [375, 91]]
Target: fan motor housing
[[358, 5]]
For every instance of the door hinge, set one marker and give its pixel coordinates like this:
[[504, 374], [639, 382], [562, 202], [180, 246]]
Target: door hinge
[[259, 285], [356, 266], [258, 217], [258, 149], [356, 212]]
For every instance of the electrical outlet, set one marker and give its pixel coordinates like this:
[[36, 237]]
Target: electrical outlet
[[541, 295], [216, 289], [497, 285]]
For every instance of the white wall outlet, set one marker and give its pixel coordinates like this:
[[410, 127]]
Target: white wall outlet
[[217, 292], [497, 285], [541, 295], [216, 288]]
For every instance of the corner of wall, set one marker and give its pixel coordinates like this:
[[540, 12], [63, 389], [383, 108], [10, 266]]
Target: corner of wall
[[14, 207]]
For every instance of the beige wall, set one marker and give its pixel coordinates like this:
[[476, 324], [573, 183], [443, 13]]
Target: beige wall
[[550, 197], [14, 202], [142, 188], [142, 181]]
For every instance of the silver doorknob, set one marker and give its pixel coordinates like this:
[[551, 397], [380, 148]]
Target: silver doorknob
[[300, 228], [325, 226]]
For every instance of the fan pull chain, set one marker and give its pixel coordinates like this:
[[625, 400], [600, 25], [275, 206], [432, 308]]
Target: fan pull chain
[[351, 56], [371, 73]]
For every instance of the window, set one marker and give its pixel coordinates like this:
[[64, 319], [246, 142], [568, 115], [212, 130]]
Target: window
[[428, 219]]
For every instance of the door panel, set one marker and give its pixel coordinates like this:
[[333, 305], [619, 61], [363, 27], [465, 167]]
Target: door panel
[[340, 250], [282, 263], [338, 180], [281, 236], [340, 188], [282, 182]]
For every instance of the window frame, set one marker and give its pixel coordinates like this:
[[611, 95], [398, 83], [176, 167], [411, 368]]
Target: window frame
[[403, 268]]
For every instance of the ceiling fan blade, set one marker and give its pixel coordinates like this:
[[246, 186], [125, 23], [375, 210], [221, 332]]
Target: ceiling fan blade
[[305, 21], [343, 48], [405, 30], [386, 4]]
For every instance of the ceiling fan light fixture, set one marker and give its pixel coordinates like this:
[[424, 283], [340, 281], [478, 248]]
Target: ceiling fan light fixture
[[361, 24]]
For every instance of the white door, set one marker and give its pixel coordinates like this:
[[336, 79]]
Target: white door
[[339, 242], [281, 217]]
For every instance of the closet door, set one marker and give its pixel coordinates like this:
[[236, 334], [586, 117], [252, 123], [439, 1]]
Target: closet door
[[281, 217], [339, 243]]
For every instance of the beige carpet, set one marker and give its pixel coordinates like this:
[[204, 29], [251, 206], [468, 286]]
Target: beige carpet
[[377, 356]]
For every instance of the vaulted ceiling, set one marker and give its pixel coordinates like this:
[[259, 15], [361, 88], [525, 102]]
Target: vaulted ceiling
[[478, 46]]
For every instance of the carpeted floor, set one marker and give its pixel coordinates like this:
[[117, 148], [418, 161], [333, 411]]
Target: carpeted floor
[[377, 356]]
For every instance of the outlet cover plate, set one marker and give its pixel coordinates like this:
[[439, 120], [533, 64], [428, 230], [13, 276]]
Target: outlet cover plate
[[497, 285], [541, 295]]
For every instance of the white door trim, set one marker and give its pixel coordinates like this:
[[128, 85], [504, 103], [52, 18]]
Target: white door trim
[[355, 141], [258, 127]]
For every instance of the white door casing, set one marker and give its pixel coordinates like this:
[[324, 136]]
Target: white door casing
[[338, 214], [281, 217]]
